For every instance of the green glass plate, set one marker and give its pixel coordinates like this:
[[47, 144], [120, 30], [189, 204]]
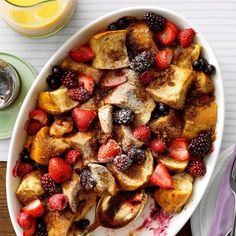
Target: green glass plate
[[27, 75]]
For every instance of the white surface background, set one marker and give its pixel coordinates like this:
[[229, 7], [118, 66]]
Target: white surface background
[[214, 18]]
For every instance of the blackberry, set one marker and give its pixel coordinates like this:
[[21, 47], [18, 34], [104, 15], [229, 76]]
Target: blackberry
[[50, 185], [142, 62], [70, 82], [196, 167], [41, 233], [87, 180], [70, 79], [83, 223], [160, 110], [122, 162], [156, 22], [123, 116], [137, 155], [79, 94], [201, 145], [53, 82], [25, 156]]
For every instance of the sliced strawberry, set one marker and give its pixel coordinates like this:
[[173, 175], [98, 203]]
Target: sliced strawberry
[[116, 79], [163, 59], [87, 82], [31, 230], [161, 177], [83, 118], [108, 151], [33, 126], [157, 146], [178, 149], [186, 37], [39, 115], [168, 35], [83, 53], [34, 209], [22, 168]]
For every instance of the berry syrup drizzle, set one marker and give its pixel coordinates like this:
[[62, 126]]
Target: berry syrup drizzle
[[157, 222]]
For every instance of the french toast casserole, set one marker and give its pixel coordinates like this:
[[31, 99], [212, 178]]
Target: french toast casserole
[[131, 110]]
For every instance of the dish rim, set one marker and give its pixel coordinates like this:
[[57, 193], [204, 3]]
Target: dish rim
[[59, 54]]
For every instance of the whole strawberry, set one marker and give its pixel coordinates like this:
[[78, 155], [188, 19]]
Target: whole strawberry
[[57, 202], [157, 146], [196, 167], [186, 37], [59, 170], [72, 156], [142, 133]]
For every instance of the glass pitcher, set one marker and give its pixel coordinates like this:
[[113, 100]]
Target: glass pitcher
[[37, 18]]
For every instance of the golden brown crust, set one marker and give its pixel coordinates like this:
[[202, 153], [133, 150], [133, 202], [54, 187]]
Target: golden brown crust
[[110, 50], [30, 187], [172, 200]]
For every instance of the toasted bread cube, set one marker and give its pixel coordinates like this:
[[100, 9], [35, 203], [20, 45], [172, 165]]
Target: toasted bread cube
[[61, 126], [30, 187], [61, 99], [45, 103], [168, 126], [172, 200], [105, 182], [175, 87], [105, 118], [125, 136], [140, 38], [58, 223], [82, 141], [136, 176], [202, 84], [44, 147], [84, 207], [172, 164], [199, 118], [56, 102], [69, 64], [186, 56], [70, 189], [135, 98], [110, 50]]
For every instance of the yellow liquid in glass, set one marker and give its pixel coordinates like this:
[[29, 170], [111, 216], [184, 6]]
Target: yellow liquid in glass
[[38, 15]]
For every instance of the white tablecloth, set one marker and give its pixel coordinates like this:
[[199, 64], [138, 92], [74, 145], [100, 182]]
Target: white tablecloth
[[215, 18]]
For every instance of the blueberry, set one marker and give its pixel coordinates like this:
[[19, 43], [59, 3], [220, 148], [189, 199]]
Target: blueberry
[[113, 26], [57, 71], [25, 156], [83, 223], [209, 69], [160, 110], [199, 64], [53, 82], [125, 21]]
